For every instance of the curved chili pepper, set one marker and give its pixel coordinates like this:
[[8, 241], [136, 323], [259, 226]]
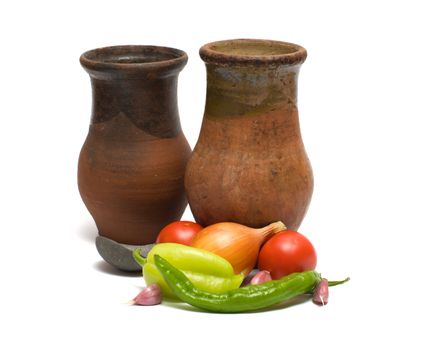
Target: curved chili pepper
[[208, 283], [252, 297]]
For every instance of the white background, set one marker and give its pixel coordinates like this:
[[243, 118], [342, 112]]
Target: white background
[[369, 111]]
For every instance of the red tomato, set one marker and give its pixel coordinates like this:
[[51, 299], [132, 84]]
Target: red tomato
[[285, 253], [182, 232]]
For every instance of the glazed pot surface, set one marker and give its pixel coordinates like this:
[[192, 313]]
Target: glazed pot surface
[[132, 164], [249, 165]]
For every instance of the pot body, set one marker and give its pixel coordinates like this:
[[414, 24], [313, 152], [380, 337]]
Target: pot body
[[131, 166], [249, 165]]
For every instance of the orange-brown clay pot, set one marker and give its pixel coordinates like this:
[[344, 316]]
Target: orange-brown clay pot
[[249, 165], [132, 164]]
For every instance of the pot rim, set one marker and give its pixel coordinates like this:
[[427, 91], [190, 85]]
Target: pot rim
[[129, 59], [253, 52]]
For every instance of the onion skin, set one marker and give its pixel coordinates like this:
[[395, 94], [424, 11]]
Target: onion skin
[[236, 243]]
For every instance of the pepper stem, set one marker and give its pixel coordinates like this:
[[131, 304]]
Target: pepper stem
[[138, 257], [335, 283]]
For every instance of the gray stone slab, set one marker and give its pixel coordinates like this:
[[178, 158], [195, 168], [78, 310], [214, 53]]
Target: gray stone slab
[[120, 255]]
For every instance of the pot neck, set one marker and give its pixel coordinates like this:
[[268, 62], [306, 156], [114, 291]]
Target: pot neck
[[149, 103], [250, 90]]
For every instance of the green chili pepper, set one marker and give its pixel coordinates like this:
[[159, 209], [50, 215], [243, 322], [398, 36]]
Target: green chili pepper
[[204, 282], [248, 298], [207, 271]]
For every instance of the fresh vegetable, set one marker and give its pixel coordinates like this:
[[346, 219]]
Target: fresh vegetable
[[285, 253], [236, 243], [182, 232], [261, 277], [252, 297], [320, 295], [207, 271], [208, 283], [191, 259], [150, 295]]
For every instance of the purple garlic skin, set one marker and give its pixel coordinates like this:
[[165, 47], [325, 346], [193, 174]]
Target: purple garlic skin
[[320, 295], [150, 295], [261, 277]]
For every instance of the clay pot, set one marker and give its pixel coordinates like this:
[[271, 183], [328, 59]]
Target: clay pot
[[249, 165], [132, 164]]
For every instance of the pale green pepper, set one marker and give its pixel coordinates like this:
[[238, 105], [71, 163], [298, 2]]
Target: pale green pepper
[[192, 259], [207, 283], [207, 271]]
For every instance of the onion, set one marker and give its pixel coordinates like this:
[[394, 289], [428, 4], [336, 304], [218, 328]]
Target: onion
[[236, 243]]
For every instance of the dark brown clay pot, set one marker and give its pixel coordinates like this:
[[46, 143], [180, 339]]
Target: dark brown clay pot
[[132, 164], [249, 165]]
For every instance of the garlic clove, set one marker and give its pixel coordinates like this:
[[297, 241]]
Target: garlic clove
[[261, 277], [320, 295], [150, 295]]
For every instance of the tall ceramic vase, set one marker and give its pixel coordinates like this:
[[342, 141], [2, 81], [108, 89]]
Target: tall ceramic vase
[[132, 164], [249, 165]]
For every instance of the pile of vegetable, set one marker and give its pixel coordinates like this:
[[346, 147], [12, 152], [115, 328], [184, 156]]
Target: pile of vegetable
[[212, 268]]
